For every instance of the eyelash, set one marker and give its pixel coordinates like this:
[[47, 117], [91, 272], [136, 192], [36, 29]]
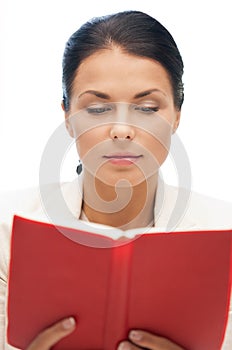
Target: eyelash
[[98, 110], [102, 110], [147, 110]]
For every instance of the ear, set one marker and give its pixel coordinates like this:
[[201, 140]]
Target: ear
[[67, 121], [176, 122]]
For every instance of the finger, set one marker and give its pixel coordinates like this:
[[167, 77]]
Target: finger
[[151, 341], [126, 345], [51, 335]]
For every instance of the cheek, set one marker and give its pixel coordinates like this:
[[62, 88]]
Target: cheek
[[157, 140], [158, 150], [88, 141]]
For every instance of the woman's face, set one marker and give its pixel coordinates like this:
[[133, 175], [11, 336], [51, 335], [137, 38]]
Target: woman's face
[[122, 115]]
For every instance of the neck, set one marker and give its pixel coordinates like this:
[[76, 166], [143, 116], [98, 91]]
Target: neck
[[124, 206]]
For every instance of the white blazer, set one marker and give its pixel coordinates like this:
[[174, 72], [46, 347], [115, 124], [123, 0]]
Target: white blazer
[[175, 210]]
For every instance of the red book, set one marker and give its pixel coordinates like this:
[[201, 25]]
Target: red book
[[176, 285]]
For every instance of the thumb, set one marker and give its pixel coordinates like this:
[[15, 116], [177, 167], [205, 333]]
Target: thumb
[[50, 336]]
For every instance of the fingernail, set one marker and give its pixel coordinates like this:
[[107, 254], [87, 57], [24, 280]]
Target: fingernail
[[135, 335], [123, 346], [69, 323]]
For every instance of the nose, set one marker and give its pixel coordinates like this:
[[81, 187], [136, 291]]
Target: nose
[[122, 132]]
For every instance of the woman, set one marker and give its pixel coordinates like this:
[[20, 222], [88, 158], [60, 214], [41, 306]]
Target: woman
[[123, 92]]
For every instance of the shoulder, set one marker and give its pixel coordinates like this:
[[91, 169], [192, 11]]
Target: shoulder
[[11, 203], [210, 212], [38, 202], [34, 203], [204, 212], [18, 201]]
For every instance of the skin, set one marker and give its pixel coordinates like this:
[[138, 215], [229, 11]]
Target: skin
[[145, 84], [104, 72]]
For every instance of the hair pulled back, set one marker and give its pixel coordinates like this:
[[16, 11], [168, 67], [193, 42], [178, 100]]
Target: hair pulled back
[[135, 33]]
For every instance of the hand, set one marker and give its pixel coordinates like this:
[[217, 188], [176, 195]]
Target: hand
[[140, 339], [51, 335]]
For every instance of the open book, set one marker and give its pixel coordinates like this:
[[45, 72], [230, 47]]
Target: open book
[[176, 285]]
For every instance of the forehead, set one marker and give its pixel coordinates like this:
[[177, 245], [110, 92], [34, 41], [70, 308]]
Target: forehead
[[112, 69]]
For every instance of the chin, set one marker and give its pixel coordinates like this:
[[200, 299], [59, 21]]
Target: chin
[[121, 177]]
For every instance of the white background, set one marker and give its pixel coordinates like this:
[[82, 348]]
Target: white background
[[32, 39]]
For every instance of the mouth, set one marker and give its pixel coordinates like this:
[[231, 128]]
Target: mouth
[[123, 158]]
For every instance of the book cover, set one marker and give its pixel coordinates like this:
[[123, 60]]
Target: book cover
[[176, 285]]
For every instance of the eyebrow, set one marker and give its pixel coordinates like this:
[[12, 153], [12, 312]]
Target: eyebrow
[[107, 97], [148, 92], [96, 93]]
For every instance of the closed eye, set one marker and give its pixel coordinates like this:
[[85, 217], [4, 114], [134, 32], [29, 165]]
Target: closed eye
[[99, 110], [147, 110]]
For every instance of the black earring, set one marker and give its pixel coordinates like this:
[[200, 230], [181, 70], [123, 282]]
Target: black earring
[[79, 168]]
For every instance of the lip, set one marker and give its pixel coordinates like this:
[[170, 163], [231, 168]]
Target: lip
[[122, 158]]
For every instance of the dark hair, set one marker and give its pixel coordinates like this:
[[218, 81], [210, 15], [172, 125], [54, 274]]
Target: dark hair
[[135, 33]]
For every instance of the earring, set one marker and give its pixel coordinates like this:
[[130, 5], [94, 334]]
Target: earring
[[79, 168]]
